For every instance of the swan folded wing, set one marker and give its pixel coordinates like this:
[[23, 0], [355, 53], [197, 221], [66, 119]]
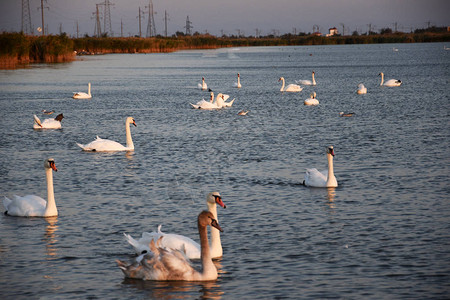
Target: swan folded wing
[[28, 206], [37, 121], [304, 82], [174, 242], [315, 178]]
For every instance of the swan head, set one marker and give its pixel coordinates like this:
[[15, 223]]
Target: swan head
[[59, 117], [215, 198], [330, 150], [206, 218], [239, 75], [50, 164], [381, 74], [281, 78], [130, 120]]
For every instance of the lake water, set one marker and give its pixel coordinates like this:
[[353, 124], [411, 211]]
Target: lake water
[[382, 234]]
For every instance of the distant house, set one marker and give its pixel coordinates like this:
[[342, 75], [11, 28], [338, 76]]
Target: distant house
[[332, 31], [317, 33]]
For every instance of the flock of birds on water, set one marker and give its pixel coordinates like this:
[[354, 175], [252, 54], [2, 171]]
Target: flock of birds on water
[[163, 256]]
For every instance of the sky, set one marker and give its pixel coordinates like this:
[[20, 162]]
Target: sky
[[230, 17]]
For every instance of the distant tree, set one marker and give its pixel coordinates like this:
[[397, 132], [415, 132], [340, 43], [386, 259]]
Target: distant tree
[[179, 33], [386, 30], [355, 33]]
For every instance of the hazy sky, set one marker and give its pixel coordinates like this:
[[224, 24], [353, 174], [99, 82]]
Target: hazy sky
[[229, 16]]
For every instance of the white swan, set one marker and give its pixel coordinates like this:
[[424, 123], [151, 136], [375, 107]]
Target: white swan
[[48, 123], [83, 95], [203, 104], [180, 242], [290, 88], [222, 98], [203, 85], [390, 82], [311, 100], [165, 264], [102, 145], [307, 82], [361, 89], [32, 205], [238, 83], [324, 178]]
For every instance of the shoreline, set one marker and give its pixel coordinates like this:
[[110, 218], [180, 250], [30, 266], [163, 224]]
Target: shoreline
[[18, 50]]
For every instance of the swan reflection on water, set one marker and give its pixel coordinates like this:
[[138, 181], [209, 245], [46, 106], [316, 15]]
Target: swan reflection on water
[[50, 237], [331, 194], [177, 289]]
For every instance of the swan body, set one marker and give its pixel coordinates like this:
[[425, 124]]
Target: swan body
[[103, 145], [48, 123], [238, 83], [32, 205], [308, 82], [83, 95], [326, 178], [217, 104], [361, 89], [180, 242], [203, 85], [390, 82], [290, 87], [311, 101], [165, 264]]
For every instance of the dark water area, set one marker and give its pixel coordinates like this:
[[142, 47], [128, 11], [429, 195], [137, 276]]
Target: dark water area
[[383, 233]]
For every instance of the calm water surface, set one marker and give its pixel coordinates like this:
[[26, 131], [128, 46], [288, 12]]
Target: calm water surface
[[383, 233]]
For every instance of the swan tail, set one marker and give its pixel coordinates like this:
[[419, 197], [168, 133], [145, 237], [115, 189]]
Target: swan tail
[[159, 229], [80, 145], [6, 203], [132, 241]]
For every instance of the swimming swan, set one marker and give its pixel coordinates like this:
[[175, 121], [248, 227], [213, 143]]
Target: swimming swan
[[180, 242], [311, 100], [32, 205], [324, 178], [48, 123], [390, 82], [290, 88], [238, 83], [165, 264], [103, 145], [83, 95], [203, 85], [361, 89], [308, 82]]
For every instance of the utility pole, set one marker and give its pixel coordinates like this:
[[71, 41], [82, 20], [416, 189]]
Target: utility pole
[[188, 26], [60, 28], [151, 28], [257, 33], [121, 28], [343, 28], [42, 16], [141, 12], [107, 18], [98, 29], [26, 17], [165, 22], [77, 29]]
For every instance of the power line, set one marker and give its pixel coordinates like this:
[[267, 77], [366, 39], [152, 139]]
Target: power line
[[151, 28]]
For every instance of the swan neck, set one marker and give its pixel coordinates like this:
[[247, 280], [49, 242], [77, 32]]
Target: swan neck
[[130, 144], [216, 243], [89, 89], [331, 180], [382, 79], [282, 86], [50, 209], [313, 80], [208, 266]]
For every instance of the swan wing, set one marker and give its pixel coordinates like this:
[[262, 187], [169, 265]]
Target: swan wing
[[204, 105], [26, 206], [304, 82], [37, 122], [293, 88], [174, 242], [393, 82], [315, 178], [51, 124], [103, 145]]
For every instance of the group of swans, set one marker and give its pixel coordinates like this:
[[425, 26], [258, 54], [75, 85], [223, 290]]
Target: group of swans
[[326, 178], [83, 95], [167, 256], [104, 145], [204, 86], [180, 242], [168, 264], [219, 102], [311, 100], [32, 205], [48, 123]]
